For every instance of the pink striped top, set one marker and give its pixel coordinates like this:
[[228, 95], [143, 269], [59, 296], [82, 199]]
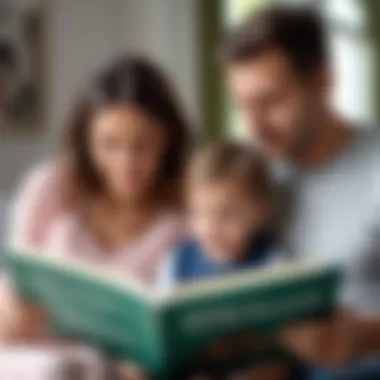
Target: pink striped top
[[43, 218]]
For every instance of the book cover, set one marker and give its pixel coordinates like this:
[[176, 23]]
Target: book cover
[[205, 323]]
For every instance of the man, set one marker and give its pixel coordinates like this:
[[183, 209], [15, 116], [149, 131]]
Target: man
[[277, 67]]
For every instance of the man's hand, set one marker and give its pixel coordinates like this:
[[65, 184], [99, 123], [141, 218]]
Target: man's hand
[[333, 343]]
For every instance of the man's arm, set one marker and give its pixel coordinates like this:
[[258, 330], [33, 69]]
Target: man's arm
[[336, 342], [370, 338]]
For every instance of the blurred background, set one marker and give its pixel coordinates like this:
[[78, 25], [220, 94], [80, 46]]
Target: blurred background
[[49, 47]]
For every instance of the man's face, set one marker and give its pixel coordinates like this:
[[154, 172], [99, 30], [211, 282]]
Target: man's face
[[279, 108]]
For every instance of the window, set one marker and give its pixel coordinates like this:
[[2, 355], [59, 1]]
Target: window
[[352, 57], [234, 11]]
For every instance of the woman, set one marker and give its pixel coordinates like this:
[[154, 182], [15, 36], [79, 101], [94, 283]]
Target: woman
[[112, 197]]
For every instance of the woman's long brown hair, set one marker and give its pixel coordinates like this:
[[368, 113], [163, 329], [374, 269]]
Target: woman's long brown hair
[[130, 81]]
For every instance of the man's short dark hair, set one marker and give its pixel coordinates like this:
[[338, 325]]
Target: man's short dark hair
[[297, 31]]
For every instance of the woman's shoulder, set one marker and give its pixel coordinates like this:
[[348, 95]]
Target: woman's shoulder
[[42, 194], [43, 177]]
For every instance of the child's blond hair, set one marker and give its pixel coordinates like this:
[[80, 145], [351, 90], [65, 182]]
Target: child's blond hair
[[235, 162]]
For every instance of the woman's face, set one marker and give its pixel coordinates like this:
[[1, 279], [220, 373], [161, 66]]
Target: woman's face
[[126, 146]]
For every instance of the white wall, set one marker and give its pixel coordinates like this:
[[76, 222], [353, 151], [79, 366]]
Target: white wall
[[167, 31]]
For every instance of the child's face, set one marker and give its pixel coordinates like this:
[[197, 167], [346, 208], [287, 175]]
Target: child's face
[[223, 218]]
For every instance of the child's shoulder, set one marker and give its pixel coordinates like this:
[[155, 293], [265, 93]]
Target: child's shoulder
[[179, 266], [187, 250], [187, 245]]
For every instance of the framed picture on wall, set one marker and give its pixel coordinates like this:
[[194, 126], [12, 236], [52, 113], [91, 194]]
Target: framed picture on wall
[[22, 65]]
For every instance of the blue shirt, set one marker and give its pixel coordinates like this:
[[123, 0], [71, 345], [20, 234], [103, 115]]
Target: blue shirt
[[190, 262]]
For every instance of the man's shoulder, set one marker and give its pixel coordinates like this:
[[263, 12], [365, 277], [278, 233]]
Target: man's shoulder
[[367, 150], [369, 139], [370, 150]]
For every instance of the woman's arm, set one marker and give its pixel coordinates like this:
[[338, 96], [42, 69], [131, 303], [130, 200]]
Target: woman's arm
[[18, 321], [41, 196]]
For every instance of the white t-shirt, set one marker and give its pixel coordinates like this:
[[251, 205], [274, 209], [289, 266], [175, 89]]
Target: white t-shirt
[[333, 213]]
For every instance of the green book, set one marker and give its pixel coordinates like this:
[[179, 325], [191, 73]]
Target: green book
[[203, 323]]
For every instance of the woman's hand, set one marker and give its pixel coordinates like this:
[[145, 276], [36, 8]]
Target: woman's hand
[[18, 321], [333, 343]]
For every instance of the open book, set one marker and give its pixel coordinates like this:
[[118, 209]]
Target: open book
[[204, 322]]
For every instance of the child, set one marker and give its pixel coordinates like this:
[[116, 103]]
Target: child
[[229, 204]]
